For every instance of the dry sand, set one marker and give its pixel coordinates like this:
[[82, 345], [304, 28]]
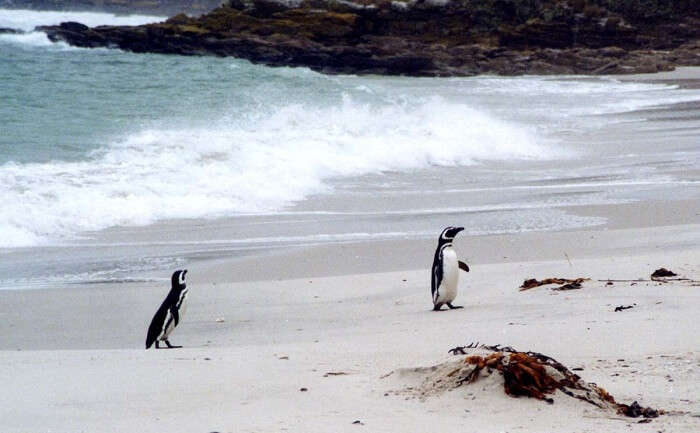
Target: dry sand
[[261, 329], [72, 360]]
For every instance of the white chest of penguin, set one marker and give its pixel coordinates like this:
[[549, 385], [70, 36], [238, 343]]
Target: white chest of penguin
[[181, 307], [450, 275], [182, 304]]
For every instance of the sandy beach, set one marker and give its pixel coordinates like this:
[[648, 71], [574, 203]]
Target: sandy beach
[[73, 361], [334, 331]]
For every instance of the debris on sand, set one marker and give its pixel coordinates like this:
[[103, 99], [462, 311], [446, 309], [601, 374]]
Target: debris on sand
[[622, 307], [663, 273], [565, 284], [528, 374], [634, 410], [570, 286]]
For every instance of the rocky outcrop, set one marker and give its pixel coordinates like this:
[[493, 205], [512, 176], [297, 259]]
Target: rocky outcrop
[[7, 30], [457, 37]]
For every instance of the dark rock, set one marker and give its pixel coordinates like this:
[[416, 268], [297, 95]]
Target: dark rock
[[612, 52], [462, 37], [7, 30], [72, 26], [609, 68], [663, 272], [264, 8]]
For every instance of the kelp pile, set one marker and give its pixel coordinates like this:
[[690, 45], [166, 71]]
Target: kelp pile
[[526, 374]]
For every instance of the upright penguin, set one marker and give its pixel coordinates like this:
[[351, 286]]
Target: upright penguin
[[170, 312], [445, 272]]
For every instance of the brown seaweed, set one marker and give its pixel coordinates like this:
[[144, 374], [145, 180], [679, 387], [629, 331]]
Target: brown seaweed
[[565, 284], [532, 374]]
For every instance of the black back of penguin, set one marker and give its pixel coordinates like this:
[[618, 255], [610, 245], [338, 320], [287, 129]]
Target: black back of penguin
[[177, 285], [446, 238]]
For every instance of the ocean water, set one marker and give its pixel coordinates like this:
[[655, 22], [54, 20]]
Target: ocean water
[[114, 164]]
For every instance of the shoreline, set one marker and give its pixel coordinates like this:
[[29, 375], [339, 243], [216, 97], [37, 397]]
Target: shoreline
[[324, 258], [259, 329], [67, 319], [250, 347]]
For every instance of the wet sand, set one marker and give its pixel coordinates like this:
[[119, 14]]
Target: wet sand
[[261, 328], [73, 359]]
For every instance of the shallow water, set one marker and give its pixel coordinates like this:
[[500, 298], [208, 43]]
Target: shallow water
[[102, 150]]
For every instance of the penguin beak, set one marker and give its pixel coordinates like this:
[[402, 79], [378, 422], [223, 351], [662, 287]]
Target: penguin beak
[[458, 229]]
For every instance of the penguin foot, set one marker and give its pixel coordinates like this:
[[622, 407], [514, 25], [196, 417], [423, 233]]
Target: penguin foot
[[437, 307], [454, 307], [170, 346]]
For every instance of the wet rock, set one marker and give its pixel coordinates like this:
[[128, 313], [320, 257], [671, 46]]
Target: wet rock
[[7, 30], [460, 37]]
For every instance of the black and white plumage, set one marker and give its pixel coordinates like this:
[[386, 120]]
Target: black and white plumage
[[445, 272], [170, 312]]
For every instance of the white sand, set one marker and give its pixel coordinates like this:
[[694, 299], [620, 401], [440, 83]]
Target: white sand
[[245, 374], [72, 360]]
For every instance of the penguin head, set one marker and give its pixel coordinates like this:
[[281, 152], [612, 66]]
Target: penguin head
[[178, 279], [449, 234]]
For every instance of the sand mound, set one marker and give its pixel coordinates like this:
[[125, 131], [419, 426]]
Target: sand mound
[[519, 374]]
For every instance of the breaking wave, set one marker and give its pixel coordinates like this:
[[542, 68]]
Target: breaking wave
[[258, 165]]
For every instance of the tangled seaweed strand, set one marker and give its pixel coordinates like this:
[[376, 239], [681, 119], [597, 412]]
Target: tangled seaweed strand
[[526, 374], [566, 284]]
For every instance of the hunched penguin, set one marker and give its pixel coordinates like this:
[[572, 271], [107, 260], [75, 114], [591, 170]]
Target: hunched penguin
[[445, 272], [170, 312]]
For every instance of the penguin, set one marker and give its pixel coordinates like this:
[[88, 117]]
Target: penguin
[[170, 312], [445, 272]]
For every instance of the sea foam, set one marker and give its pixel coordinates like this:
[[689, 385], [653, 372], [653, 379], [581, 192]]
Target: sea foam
[[259, 164], [27, 20]]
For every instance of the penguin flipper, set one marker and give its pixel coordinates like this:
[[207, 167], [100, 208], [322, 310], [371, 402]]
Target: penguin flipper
[[153, 331], [176, 315], [156, 326], [436, 276], [463, 266]]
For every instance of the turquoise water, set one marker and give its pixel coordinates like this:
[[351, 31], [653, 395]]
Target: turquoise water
[[59, 103], [100, 139]]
